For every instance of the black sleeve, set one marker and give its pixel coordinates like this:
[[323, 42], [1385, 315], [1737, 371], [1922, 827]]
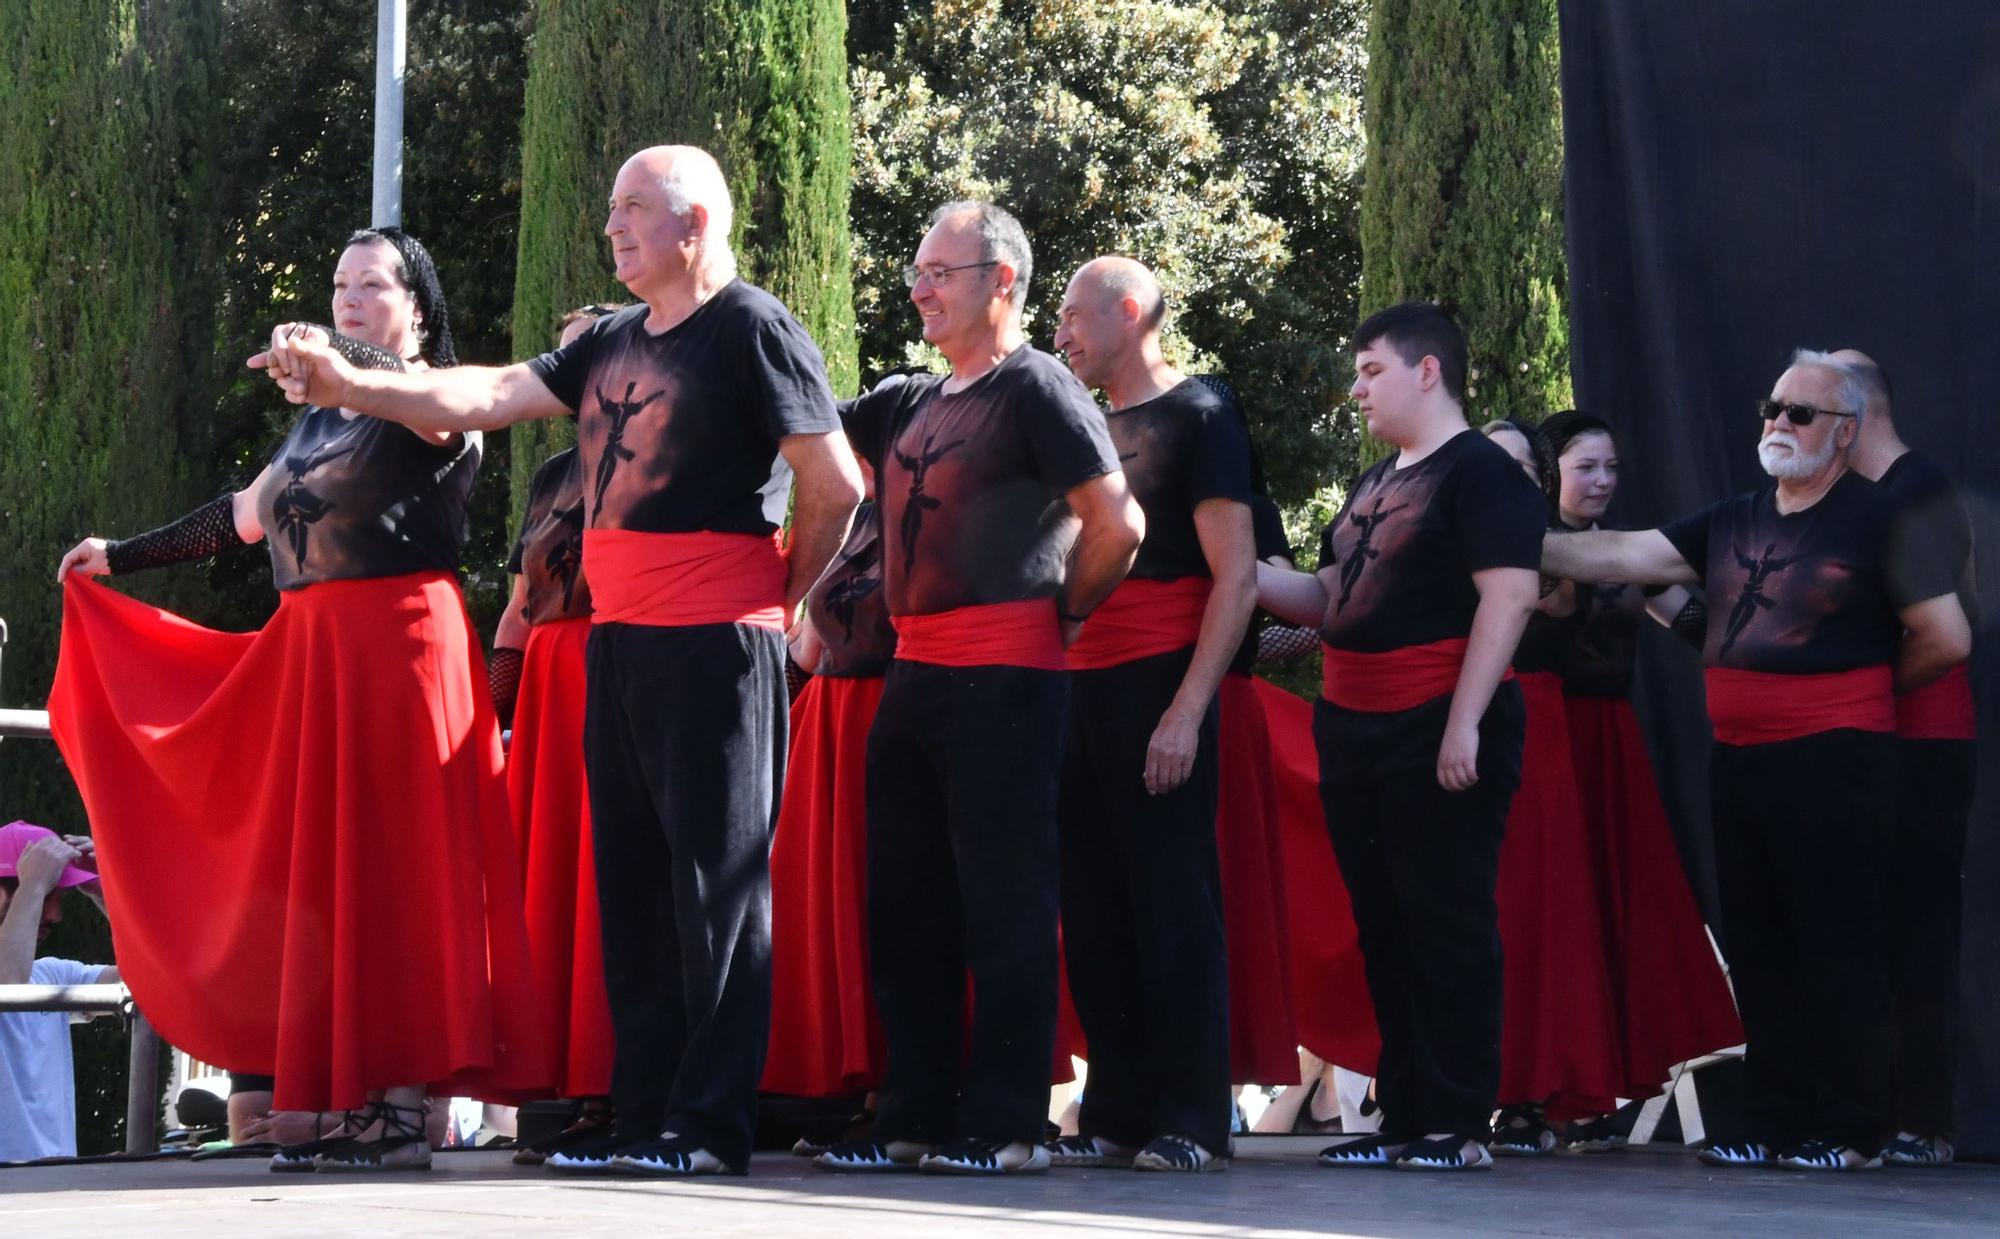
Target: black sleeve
[[866, 419], [1065, 430], [1928, 545], [788, 378], [207, 530], [1498, 516], [1218, 458], [1268, 525], [1689, 536], [565, 370]]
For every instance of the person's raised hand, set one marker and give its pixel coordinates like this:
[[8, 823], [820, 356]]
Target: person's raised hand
[[304, 365], [86, 558], [40, 865]]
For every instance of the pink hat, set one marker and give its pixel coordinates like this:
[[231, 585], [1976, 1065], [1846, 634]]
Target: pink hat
[[15, 838]]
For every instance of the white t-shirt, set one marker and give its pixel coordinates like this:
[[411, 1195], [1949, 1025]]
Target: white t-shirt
[[37, 1079]]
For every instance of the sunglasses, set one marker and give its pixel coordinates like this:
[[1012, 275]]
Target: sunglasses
[[1796, 414]]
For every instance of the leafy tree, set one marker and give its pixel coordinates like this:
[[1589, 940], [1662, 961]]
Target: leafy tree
[[1216, 141], [1463, 197], [107, 138], [759, 84]]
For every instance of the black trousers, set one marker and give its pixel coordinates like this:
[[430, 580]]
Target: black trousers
[[962, 768], [1801, 850], [684, 744], [1420, 865], [1934, 785], [1142, 914]]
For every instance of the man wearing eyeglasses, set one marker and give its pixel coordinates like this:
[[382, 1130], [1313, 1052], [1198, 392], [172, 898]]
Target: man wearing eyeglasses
[[1814, 624], [1005, 521]]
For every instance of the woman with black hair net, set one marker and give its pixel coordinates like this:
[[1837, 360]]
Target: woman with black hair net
[[303, 830]]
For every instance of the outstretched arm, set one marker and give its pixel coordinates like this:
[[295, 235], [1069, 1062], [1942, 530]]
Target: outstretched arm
[[310, 371], [1641, 557], [1293, 596]]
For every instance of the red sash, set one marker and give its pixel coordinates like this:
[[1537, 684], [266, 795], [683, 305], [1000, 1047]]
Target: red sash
[[1940, 710], [1141, 618], [1400, 679], [1000, 634], [1759, 707], [672, 580]]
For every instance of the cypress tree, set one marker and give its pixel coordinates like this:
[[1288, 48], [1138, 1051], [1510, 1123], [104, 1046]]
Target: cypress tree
[[759, 84], [107, 259], [1462, 196]]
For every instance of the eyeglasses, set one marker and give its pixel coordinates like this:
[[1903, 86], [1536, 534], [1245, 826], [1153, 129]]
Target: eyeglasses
[[1796, 414], [940, 276]]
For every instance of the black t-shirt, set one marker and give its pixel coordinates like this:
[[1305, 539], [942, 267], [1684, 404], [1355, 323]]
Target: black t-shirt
[[679, 431], [1802, 594], [1267, 525], [1607, 641], [848, 608], [1179, 449], [1931, 530], [971, 484], [1546, 641], [550, 549], [1408, 540], [361, 497]]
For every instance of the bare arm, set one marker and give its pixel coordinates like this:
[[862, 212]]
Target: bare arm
[[1113, 527], [1293, 596], [1223, 526], [459, 399], [1641, 557], [1936, 638], [1506, 597], [828, 491], [511, 633], [38, 868]]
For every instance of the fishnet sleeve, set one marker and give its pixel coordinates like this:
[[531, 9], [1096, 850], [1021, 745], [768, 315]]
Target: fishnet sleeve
[[1282, 643], [203, 532], [503, 680], [1691, 623]]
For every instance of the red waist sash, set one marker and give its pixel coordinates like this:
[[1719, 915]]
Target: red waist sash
[[999, 634], [1392, 680], [1141, 619], [1940, 710], [671, 580], [1759, 707]]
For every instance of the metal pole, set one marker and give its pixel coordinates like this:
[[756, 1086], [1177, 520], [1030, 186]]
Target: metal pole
[[391, 22], [142, 1089]]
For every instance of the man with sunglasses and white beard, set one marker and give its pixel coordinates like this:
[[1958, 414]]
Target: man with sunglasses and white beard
[[1813, 627]]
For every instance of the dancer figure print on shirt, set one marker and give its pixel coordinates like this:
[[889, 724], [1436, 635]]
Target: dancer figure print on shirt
[[299, 509], [1364, 550], [621, 412], [919, 502], [1753, 598]]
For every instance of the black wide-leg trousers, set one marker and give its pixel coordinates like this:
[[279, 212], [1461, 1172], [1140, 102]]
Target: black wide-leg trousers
[[1934, 785]]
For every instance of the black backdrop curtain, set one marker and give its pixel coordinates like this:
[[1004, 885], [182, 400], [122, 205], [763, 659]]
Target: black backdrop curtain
[[1749, 176]]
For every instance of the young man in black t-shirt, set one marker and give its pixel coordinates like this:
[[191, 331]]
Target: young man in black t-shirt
[[692, 411], [1005, 520], [1936, 759], [1812, 625], [1426, 580], [1141, 882]]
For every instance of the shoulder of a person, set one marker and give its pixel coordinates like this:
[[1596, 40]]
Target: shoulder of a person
[[753, 307], [550, 471], [1053, 384], [55, 970]]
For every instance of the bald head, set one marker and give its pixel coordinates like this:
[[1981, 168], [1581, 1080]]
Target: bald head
[[669, 223], [1874, 380], [1109, 329], [1112, 279], [689, 176]]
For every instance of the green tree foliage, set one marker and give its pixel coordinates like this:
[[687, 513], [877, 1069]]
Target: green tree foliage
[[759, 84], [107, 141], [297, 168], [1218, 141], [1463, 198]]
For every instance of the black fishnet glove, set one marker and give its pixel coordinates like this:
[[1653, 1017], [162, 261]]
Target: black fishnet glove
[[203, 532], [503, 680], [1282, 643], [360, 352]]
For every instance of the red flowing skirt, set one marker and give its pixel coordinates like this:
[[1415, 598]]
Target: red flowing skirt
[[1335, 1018], [551, 802], [1672, 1000], [825, 1035], [1559, 1038], [304, 837], [1263, 1031]]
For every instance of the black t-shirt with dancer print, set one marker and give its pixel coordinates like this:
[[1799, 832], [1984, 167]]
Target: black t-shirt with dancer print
[[352, 497], [1407, 542], [971, 484], [678, 432], [1806, 593], [847, 607], [1931, 529], [1179, 449], [1607, 641], [549, 552]]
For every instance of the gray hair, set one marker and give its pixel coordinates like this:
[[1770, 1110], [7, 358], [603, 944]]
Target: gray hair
[[1853, 387], [1001, 239], [690, 182]]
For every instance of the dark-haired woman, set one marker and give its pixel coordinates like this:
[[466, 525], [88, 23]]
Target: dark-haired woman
[[1671, 999], [336, 773], [537, 677], [1559, 1051]]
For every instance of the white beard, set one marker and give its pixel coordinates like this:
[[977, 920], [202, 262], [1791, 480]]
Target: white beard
[[1791, 465]]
